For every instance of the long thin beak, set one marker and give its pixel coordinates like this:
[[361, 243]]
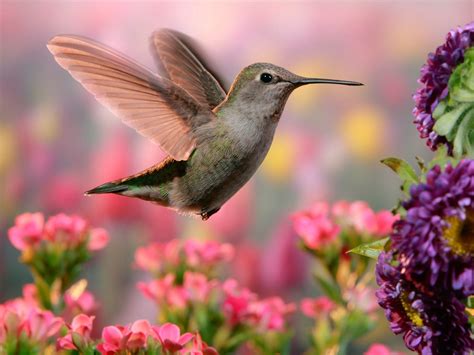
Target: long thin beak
[[305, 81]]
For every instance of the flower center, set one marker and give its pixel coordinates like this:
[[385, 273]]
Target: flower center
[[411, 313], [460, 234]]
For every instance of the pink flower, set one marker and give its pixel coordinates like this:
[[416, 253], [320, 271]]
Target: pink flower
[[27, 231], [82, 303], [30, 294], [114, 339], [197, 286], [65, 343], [380, 349], [199, 347], [359, 215], [207, 252], [365, 220], [128, 339], [152, 257], [19, 316], [270, 313], [41, 325], [236, 301], [170, 337], [362, 217], [314, 307], [82, 326], [98, 239], [362, 298], [140, 330], [64, 229], [163, 291], [340, 209], [315, 226], [385, 220]]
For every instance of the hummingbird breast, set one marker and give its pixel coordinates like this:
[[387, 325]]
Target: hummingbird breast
[[227, 155]]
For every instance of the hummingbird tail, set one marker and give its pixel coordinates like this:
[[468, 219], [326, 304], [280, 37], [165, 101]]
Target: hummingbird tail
[[108, 187]]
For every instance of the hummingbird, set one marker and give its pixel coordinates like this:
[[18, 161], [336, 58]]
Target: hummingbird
[[214, 140]]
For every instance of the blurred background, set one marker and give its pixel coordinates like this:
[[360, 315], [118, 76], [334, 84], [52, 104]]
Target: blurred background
[[56, 141]]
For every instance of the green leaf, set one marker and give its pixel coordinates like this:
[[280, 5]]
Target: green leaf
[[372, 249], [463, 142], [448, 122], [404, 170]]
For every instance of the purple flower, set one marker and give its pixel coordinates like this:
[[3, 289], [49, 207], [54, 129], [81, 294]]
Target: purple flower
[[430, 323], [434, 80], [435, 240]]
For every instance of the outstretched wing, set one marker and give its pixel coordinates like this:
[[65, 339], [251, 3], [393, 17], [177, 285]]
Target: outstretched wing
[[178, 59], [154, 106]]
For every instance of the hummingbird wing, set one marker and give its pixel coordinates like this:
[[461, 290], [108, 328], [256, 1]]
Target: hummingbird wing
[[178, 60], [154, 106]]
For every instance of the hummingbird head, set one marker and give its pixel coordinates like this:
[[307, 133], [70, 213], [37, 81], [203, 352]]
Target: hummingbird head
[[265, 87]]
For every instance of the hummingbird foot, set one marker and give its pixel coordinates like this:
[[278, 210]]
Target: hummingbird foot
[[205, 215]]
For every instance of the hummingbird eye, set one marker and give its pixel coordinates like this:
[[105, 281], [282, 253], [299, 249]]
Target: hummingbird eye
[[266, 78]]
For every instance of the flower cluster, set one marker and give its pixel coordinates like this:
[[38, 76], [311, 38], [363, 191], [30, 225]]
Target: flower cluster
[[187, 293], [432, 100], [428, 272], [136, 338], [25, 328], [54, 250], [191, 254], [31, 232], [320, 225], [347, 311]]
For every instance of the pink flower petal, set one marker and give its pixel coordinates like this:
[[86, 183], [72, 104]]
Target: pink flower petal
[[169, 331], [112, 336], [185, 338], [82, 324]]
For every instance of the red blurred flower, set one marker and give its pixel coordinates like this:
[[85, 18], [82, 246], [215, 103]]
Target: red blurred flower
[[236, 301], [270, 313], [315, 307]]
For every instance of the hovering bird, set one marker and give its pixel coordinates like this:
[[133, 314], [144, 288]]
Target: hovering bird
[[215, 140]]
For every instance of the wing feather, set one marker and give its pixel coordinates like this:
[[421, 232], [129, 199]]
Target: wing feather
[[154, 106], [180, 62]]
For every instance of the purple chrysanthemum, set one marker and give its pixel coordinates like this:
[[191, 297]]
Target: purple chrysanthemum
[[430, 324], [434, 80], [435, 241]]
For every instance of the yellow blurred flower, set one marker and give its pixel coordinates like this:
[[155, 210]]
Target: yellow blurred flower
[[363, 130], [278, 164], [8, 147]]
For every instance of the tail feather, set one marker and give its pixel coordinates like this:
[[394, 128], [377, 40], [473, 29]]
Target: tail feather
[[108, 187]]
